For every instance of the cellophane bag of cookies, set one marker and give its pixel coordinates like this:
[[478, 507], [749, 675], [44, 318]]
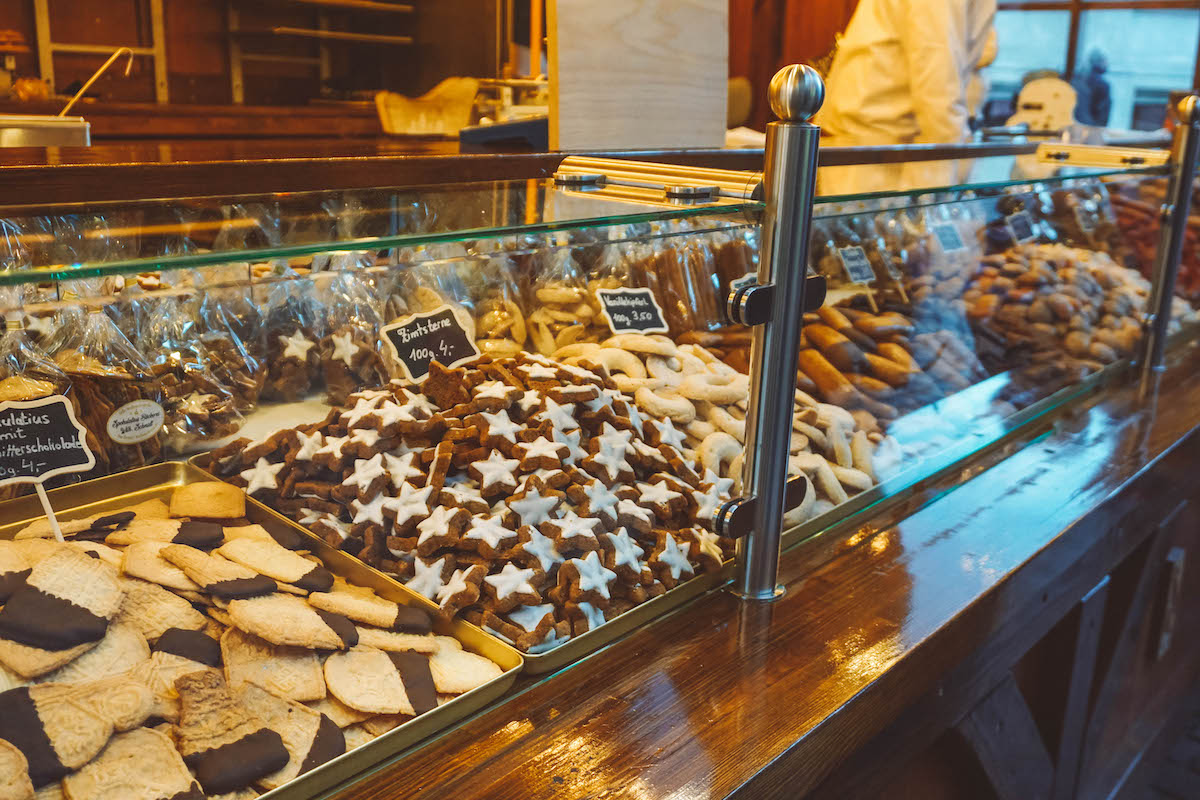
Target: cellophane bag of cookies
[[27, 374], [293, 325], [231, 329], [500, 325], [350, 351], [562, 311], [681, 272], [118, 397], [198, 407]]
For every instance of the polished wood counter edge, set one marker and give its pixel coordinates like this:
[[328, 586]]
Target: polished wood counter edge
[[133, 170], [726, 698]]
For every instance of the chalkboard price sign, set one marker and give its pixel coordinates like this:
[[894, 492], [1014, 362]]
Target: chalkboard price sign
[[632, 311], [948, 237], [40, 439], [1021, 226], [856, 264], [435, 335]]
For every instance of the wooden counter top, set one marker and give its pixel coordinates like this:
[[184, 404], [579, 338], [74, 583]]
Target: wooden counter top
[[730, 699], [126, 170]]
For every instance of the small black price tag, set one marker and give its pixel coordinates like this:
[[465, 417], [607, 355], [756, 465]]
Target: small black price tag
[[948, 237], [432, 336], [1020, 226], [856, 264], [40, 439], [632, 311]]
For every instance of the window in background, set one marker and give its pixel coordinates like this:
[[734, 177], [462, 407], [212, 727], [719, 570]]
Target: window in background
[[1144, 53], [1028, 41]]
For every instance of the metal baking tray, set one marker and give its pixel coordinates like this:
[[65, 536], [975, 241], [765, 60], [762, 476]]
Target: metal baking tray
[[574, 648], [158, 481]]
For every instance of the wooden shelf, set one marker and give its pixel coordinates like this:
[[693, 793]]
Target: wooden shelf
[[340, 36], [354, 5]]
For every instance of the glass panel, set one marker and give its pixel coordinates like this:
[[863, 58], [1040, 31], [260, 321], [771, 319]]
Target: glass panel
[[308, 227], [1031, 44], [994, 173], [1000, 306], [1129, 60]]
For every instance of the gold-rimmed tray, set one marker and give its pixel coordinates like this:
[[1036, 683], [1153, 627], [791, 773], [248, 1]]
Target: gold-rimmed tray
[[574, 648], [159, 481]]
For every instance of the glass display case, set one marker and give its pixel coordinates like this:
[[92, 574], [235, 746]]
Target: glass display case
[[522, 404]]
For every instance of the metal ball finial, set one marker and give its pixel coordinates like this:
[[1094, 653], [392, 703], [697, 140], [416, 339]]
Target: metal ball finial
[[796, 93]]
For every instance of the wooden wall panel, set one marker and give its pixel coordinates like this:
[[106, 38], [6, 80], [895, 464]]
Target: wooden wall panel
[[107, 22], [198, 53], [644, 73]]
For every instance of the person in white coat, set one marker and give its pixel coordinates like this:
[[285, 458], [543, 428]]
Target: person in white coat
[[900, 76]]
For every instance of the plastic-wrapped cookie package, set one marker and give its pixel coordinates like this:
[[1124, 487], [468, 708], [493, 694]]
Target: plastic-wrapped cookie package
[[230, 327], [198, 407], [26, 374], [119, 399], [294, 324], [562, 309], [350, 351], [500, 325]]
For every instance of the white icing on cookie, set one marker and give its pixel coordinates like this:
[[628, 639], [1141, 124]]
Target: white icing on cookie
[[263, 475], [529, 402], [657, 493], [427, 578], [533, 508], [600, 498], [369, 512], [575, 453], [495, 469], [668, 433], [540, 447], [592, 574], [722, 486], [708, 543], [366, 470], [463, 495], [401, 468], [592, 615], [542, 548], [296, 346], [538, 372], [333, 446], [511, 580], [344, 348], [362, 408], [674, 556], [367, 436], [561, 416], [310, 445], [490, 531], [411, 502], [492, 390], [501, 425], [626, 552], [436, 524], [457, 583], [390, 413], [571, 527], [632, 509], [195, 404], [529, 617]]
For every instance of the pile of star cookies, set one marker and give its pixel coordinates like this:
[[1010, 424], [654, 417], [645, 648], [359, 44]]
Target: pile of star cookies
[[528, 496], [179, 652], [707, 399]]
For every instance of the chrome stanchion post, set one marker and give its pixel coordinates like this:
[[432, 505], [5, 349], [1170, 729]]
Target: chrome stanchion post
[[1177, 206], [778, 301]]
